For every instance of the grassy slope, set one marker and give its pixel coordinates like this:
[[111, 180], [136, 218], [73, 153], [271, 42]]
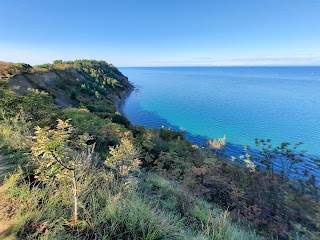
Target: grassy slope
[[179, 191]]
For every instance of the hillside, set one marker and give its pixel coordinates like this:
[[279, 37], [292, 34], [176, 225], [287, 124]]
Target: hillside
[[73, 167]]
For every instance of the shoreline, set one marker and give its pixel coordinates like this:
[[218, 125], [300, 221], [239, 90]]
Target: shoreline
[[120, 99], [232, 149]]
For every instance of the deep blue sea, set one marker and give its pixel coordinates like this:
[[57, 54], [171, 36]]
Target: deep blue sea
[[243, 103]]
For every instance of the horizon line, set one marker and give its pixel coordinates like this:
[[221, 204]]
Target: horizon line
[[296, 65]]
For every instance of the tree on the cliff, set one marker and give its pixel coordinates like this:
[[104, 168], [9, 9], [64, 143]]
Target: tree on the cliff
[[60, 155]]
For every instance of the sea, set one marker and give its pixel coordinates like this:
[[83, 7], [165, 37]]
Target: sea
[[242, 103]]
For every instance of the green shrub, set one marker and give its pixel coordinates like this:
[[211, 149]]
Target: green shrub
[[118, 118]]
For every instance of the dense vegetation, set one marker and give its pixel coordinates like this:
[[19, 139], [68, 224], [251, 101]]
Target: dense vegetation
[[81, 170], [8, 70]]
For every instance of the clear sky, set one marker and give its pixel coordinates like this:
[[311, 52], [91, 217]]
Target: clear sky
[[163, 32]]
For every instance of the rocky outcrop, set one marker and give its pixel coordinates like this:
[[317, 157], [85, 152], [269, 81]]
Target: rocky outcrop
[[55, 83]]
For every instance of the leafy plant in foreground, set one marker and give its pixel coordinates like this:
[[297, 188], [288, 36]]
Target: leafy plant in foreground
[[59, 156], [124, 158]]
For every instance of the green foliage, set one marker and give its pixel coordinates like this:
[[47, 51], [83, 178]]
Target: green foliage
[[84, 121], [13, 135], [100, 72], [52, 153], [105, 132], [124, 158], [96, 90], [113, 82], [8, 70], [58, 156], [36, 107], [205, 221], [250, 194], [118, 118], [143, 221], [55, 62], [109, 210], [168, 135]]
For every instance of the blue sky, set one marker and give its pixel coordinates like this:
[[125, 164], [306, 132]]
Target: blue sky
[[162, 33]]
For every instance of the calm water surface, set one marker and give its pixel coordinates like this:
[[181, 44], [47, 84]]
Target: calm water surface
[[244, 103]]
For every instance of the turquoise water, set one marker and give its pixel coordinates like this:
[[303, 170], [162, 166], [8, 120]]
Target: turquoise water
[[243, 103]]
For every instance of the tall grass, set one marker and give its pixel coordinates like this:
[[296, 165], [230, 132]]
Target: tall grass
[[108, 210], [204, 220], [13, 145], [13, 133]]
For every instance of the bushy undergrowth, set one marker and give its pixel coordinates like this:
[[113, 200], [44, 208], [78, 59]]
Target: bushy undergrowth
[[208, 221], [8, 70], [276, 204], [108, 210], [111, 210]]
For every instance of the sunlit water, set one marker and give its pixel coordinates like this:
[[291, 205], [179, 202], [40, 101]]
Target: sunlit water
[[243, 103]]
